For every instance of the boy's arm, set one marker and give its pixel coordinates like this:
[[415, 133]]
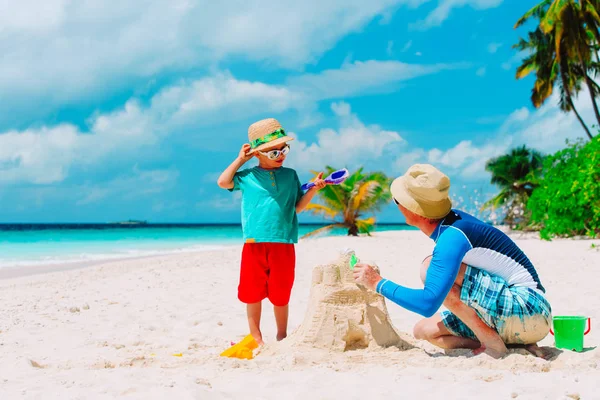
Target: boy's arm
[[310, 193], [225, 181], [306, 199]]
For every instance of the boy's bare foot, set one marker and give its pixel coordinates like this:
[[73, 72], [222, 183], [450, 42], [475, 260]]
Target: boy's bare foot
[[258, 338], [281, 336]]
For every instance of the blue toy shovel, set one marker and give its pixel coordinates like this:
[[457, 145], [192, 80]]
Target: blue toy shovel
[[335, 178]]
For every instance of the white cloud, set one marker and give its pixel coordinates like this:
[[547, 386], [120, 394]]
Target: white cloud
[[361, 77], [407, 46], [442, 11], [389, 50], [493, 47], [68, 52], [45, 155], [134, 184], [545, 129], [514, 60], [418, 54], [408, 158], [481, 71], [222, 202], [467, 159], [38, 156], [352, 144]]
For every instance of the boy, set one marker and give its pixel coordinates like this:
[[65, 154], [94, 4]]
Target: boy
[[271, 199]]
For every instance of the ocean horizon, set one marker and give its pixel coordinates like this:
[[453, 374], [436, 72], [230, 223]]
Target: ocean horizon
[[32, 244]]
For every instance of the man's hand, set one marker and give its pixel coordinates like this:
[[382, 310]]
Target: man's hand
[[244, 156], [366, 275]]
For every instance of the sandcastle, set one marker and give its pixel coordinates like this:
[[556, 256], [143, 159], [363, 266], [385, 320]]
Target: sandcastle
[[342, 315]]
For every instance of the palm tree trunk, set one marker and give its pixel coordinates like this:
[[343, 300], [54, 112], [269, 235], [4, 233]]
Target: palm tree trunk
[[591, 89], [579, 117], [570, 101], [353, 230]]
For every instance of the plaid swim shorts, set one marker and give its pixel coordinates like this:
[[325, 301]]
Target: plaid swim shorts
[[520, 315]]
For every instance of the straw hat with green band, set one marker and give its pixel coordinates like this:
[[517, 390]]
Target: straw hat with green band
[[266, 133], [424, 191]]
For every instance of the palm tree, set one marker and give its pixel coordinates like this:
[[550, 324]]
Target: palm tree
[[549, 72], [349, 202], [517, 174], [563, 46]]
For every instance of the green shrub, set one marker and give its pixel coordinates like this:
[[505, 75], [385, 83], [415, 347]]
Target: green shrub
[[567, 202]]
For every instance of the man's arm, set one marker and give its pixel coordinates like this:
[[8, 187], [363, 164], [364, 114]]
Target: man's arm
[[443, 269]]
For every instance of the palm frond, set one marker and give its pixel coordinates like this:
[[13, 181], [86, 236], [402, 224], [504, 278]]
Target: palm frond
[[361, 193], [322, 230], [537, 11], [552, 15], [364, 191], [319, 209], [497, 201], [365, 225]]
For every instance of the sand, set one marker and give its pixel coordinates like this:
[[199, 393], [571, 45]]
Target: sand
[[153, 329]]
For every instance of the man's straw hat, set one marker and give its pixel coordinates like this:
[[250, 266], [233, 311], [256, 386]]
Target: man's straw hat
[[424, 191], [266, 133]]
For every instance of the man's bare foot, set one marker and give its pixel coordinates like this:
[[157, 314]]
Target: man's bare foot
[[281, 336], [494, 350], [538, 351]]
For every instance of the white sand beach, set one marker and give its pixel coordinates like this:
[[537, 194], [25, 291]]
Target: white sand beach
[[111, 331]]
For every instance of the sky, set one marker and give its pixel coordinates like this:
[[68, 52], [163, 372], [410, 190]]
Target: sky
[[116, 110]]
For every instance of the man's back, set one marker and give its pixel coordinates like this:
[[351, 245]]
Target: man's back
[[490, 249]]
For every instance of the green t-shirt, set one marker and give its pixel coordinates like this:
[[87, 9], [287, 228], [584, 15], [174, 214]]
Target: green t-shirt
[[269, 200]]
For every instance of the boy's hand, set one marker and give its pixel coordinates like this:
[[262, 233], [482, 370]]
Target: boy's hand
[[319, 182], [244, 156]]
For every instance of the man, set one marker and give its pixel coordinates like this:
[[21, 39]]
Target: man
[[491, 289]]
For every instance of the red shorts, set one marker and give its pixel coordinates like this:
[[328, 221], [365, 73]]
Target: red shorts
[[268, 271]]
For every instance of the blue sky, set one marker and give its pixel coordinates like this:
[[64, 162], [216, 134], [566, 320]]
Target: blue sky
[[115, 110]]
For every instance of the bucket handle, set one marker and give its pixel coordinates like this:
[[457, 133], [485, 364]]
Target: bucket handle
[[589, 324], [589, 321]]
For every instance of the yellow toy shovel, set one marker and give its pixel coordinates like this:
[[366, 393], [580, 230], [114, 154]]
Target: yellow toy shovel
[[242, 349]]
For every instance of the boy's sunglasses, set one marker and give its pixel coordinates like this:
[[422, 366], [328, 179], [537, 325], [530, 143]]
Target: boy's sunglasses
[[275, 154]]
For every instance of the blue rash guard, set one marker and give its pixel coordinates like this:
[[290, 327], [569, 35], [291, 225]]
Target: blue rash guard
[[460, 237]]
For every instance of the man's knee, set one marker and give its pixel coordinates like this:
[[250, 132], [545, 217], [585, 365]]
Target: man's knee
[[421, 330]]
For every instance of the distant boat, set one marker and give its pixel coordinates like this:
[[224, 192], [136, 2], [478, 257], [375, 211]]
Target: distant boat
[[130, 222]]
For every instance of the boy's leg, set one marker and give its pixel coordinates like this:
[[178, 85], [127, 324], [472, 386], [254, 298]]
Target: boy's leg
[[253, 285], [281, 319], [254, 311], [282, 265], [434, 330]]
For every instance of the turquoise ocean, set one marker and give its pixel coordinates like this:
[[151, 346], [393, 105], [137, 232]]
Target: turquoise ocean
[[38, 244]]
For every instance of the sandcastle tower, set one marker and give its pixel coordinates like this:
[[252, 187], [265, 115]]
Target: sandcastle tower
[[342, 315]]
